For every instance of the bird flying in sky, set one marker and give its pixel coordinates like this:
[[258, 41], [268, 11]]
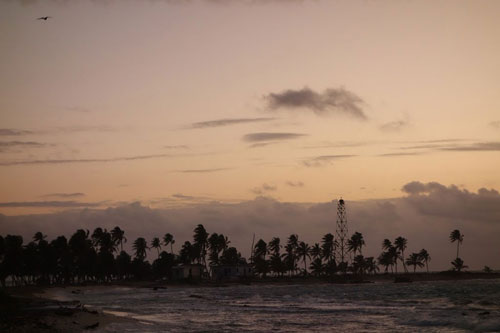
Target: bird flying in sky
[[44, 18]]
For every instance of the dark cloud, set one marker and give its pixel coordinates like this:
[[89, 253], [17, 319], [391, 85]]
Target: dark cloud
[[228, 122], [479, 146], [13, 132], [295, 184], [425, 217], [435, 199], [264, 189], [319, 161], [64, 195], [394, 126], [258, 137], [50, 204], [330, 101], [90, 160], [204, 170]]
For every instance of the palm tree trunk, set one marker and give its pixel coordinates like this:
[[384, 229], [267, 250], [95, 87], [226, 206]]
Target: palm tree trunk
[[305, 266], [427, 266], [458, 245]]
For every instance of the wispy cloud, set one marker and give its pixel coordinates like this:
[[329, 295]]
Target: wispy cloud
[[479, 146], [13, 132], [90, 160], [263, 189], [295, 184], [54, 204], [330, 101], [495, 124], [400, 154], [340, 144], [228, 122], [264, 136], [9, 145], [176, 147], [64, 195], [394, 126], [262, 144], [78, 109], [204, 170], [323, 160]]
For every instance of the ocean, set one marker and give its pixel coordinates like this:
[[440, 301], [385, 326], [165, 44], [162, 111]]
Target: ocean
[[438, 306]]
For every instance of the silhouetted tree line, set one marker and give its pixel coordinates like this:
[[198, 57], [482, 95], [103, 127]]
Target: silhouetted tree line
[[99, 257]]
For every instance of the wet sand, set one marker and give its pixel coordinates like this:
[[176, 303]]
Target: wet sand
[[31, 309]]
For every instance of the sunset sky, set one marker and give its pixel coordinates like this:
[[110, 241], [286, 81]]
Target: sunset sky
[[176, 105]]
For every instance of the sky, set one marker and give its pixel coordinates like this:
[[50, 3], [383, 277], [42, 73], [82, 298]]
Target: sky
[[250, 116]]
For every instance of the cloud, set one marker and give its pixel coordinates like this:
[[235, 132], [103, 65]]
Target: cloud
[[258, 137], [323, 160], [295, 184], [50, 204], [90, 160], [330, 101], [264, 189], [176, 147], [262, 144], [228, 122], [394, 126], [479, 146], [495, 124], [340, 144], [178, 2], [9, 145], [77, 109], [426, 217], [438, 200], [64, 195], [13, 132], [399, 154], [204, 170]]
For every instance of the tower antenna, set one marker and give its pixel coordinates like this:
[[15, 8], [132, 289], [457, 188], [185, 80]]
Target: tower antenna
[[341, 231]]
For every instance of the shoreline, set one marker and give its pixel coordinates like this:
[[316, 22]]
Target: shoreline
[[32, 309]]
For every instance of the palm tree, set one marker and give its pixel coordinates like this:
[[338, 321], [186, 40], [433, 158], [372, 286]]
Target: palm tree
[[317, 267], [355, 243], [458, 265], [414, 260], [424, 255], [386, 244], [39, 237], [155, 243], [371, 265], [200, 243], [118, 236], [260, 262], [328, 247], [385, 259], [274, 245], [169, 239], [140, 246], [359, 265], [316, 251], [303, 251], [400, 244], [458, 237]]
